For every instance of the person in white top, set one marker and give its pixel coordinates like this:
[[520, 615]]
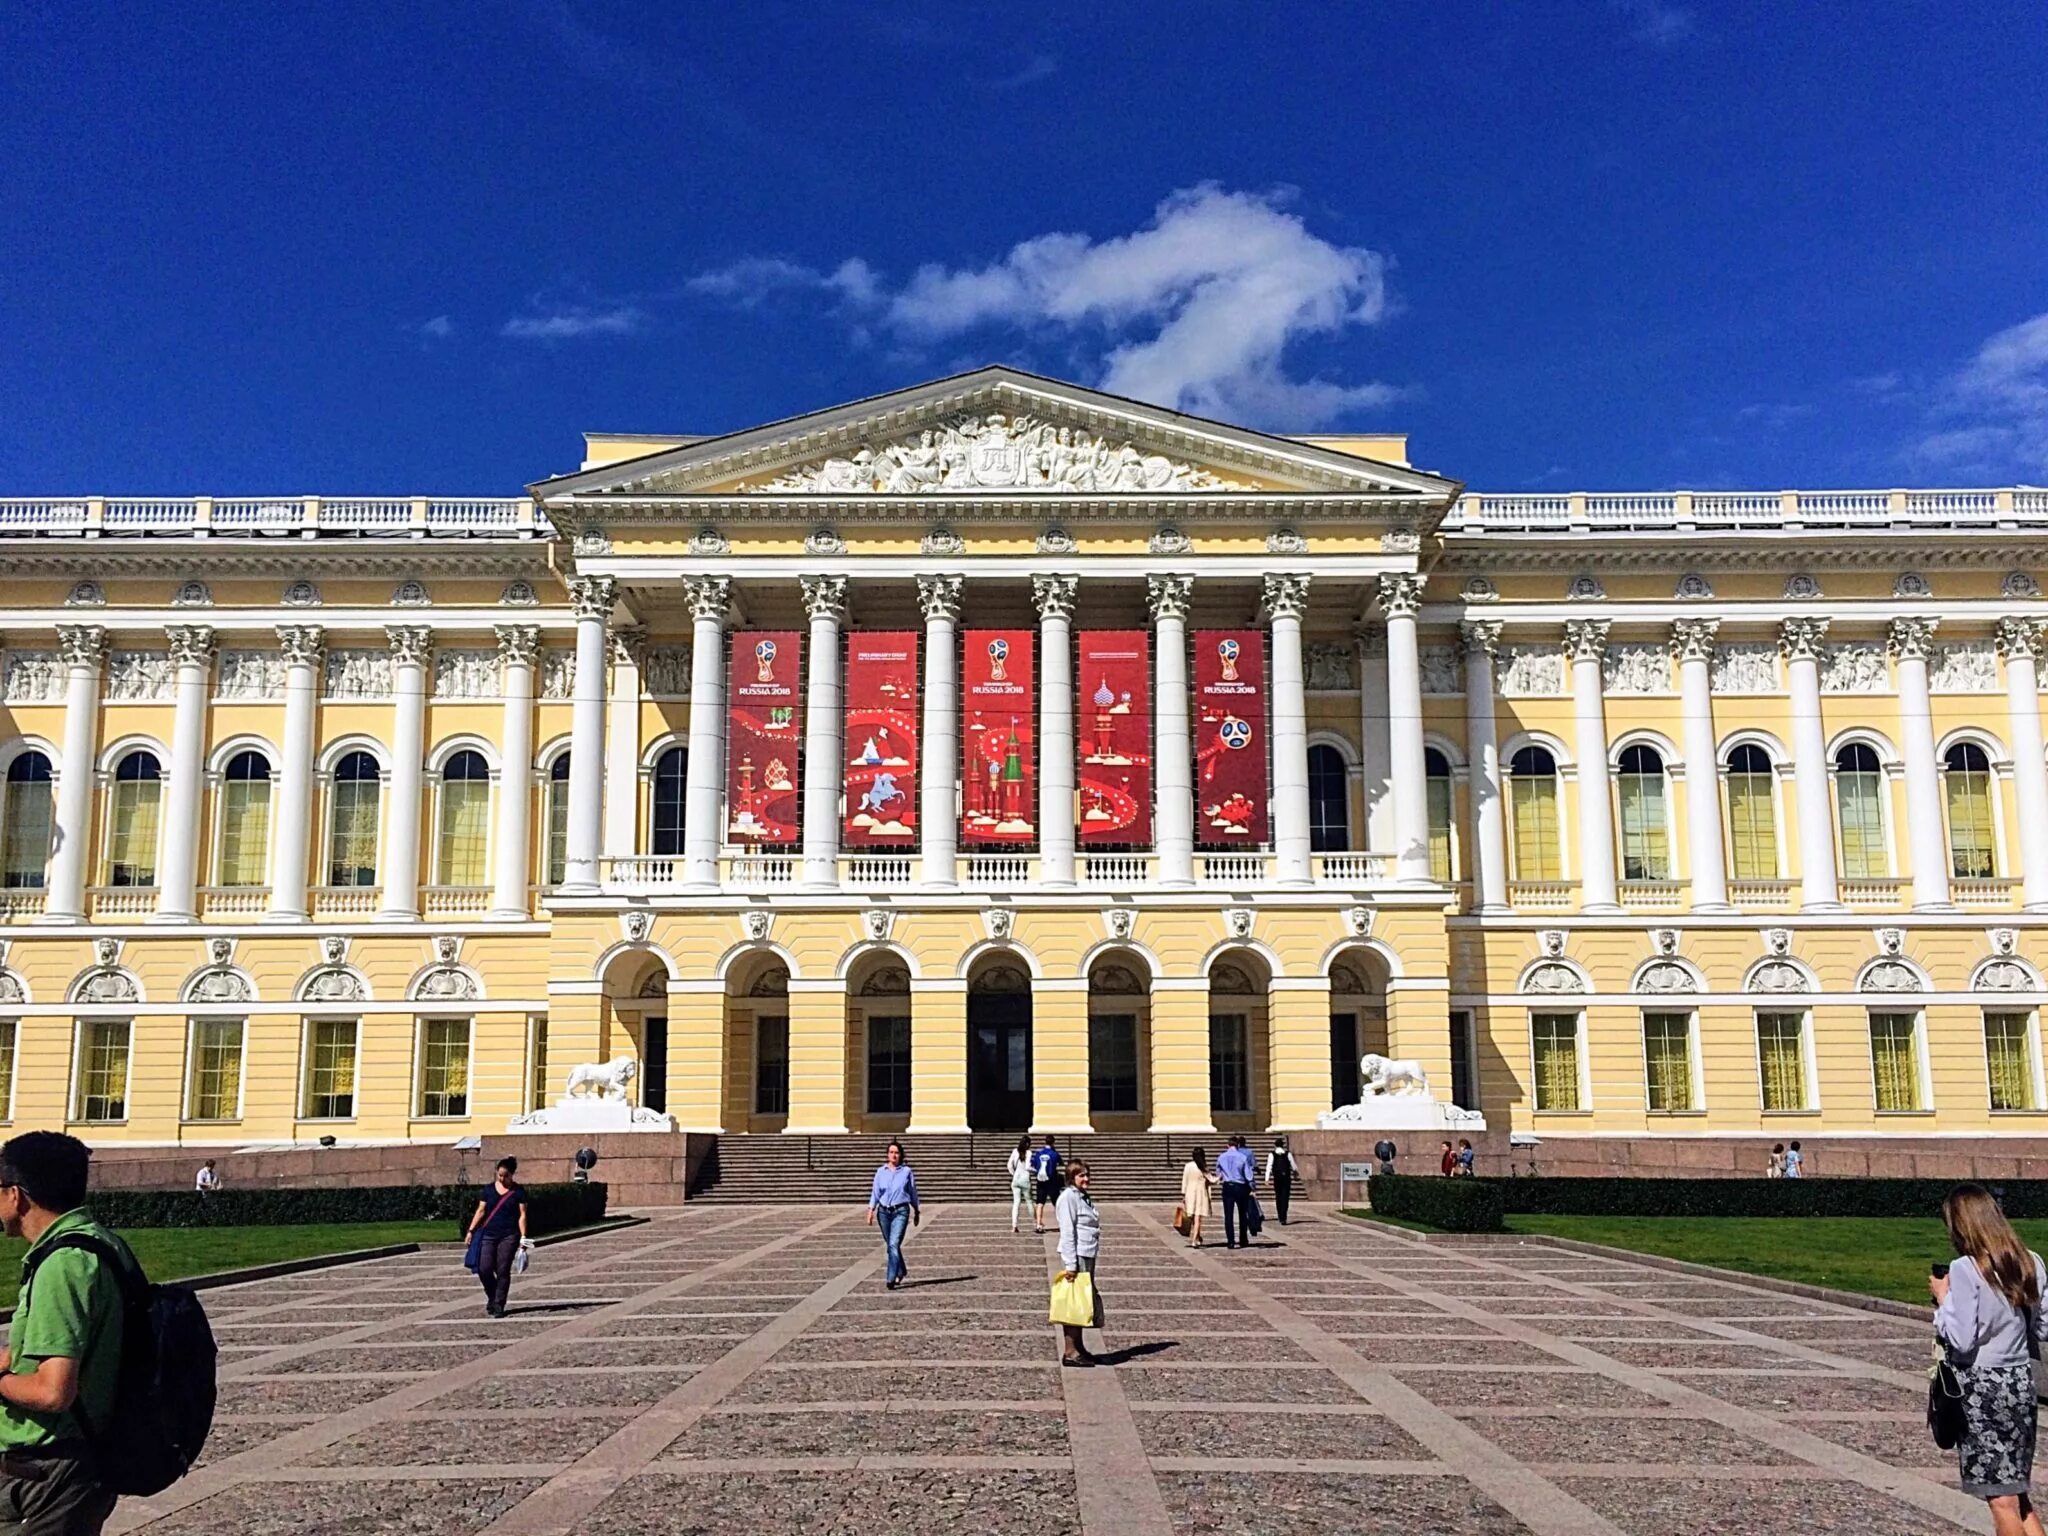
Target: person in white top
[[208, 1180], [1020, 1181], [1281, 1172]]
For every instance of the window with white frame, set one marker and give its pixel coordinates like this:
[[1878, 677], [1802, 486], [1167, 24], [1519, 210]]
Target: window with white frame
[[557, 869], [465, 821], [243, 847], [9, 1035], [102, 1075], [1859, 811], [1972, 832], [1329, 800], [1667, 1061], [353, 800], [27, 821], [1752, 814], [1535, 848], [134, 816], [1896, 1062], [1556, 1060], [1645, 825], [213, 1080], [330, 1085], [1781, 1060], [444, 1069], [1437, 797], [537, 1062], [2012, 1058], [666, 795]]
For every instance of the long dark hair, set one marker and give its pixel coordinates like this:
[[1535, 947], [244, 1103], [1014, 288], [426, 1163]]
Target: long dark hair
[[1199, 1160], [1981, 1233], [1024, 1144]]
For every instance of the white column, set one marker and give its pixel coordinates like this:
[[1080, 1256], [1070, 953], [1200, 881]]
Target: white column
[[1375, 765], [1400, 596], [938, 754], [412, 648], [824, 730], [1911, 639], [1692, 640], [704, 787], [82, 648], [627, 644], [1802, 639], [591, 597], [1055, 596], [177, 871], [2022, 641], [291, 797], [1286, 600], [518, 651], [1586, 642], [1173, 758], [1481, 640]]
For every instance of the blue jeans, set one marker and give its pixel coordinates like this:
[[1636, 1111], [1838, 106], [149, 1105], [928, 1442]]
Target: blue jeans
[[1237, 1213], [894, 1220]]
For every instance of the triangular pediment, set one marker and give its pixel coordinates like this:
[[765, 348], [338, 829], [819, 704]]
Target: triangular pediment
[[996, 432]]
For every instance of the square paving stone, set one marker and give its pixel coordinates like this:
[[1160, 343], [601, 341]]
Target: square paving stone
[[1706, 1355], [454, 1442], [1185, 1345], [723, 1324], [1411, 1350], [1915, 1356], [1327, 1504], [314, 1397], [1898, 1442], [1808, 1392], [1740, 1507], [971, 1344], [1523, 1389], [348, 1509], [1281, 1384], [1018, 1432], [1573, 1438], [905, 1502], [231, 1437], [1822, 1330], [588, 1352], [1588, 1329], [569, 1389], [1313, 1436], [873, 1384], [367, 1357]]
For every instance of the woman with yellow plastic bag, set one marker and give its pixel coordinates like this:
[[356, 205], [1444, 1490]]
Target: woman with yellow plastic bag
[[1075, 1304]]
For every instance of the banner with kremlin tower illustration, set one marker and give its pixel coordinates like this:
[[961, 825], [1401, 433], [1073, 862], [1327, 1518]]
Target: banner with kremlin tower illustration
[[998, 739], [1113, 731]]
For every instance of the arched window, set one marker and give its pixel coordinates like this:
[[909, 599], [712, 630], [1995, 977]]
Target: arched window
[[352, 821], [465, 820], [1752, 814], [1436, 771], [134, 810], [1972, 837], [665, 824], [1329, 801], [244, 820], [558, 819], [1859, 808], [1532, 807], [1645, 823], [25, 822]]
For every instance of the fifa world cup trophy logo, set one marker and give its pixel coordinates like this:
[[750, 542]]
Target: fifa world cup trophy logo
[[1228, 651], [998, 661], [764, 661]]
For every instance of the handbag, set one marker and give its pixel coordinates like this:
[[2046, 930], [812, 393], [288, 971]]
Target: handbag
[[1180, 1220], [473, 1256], [1254, 1215], [1073, 1301], [1946, 1420]]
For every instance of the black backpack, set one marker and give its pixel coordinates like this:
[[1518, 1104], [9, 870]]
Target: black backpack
[[163, 1405]]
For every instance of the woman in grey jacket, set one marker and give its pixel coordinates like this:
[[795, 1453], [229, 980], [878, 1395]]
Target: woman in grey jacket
[[1080, 1242]]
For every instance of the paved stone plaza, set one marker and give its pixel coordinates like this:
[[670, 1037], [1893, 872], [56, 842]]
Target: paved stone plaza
[[742, 1369]]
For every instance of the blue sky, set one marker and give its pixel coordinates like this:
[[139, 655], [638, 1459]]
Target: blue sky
[[1615, 243]]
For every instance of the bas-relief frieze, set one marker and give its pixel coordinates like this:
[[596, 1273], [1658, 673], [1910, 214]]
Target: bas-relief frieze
[[1530, 671], [465, 674], [1330, 670], [139, 677], [1441, 673], [557, 673], [1634, 666], [1746, 667], [359, 674], [1964, 666], [32, 677], [666, 673], [1855, 666], [250, 675]]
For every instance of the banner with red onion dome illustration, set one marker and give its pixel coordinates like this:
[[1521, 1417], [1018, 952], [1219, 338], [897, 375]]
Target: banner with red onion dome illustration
[[764, 732], [882, 724], [998, 742], [1230, 738], [1113, 734]]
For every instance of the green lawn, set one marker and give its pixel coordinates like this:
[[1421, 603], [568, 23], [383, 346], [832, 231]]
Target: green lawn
[[173, 1253], [1879, 1256]]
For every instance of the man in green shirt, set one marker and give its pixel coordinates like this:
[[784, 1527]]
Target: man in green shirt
[[61, 1369]]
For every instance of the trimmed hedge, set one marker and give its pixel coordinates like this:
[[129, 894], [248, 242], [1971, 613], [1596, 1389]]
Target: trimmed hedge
[[1449, 1205], [549, 1207], [1541, 1196]]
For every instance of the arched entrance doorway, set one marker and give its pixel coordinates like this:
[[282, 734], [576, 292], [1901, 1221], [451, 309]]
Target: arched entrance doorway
[[1358, 1020], [636, 1001], [878, 1082], [1119, 1043], [1239, 1056], [999, 1047], [757, 1045]]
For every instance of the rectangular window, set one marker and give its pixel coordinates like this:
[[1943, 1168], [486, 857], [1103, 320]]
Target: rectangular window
[[1113, 1063], [537, 1063], [1555, 1040], [444, 1069], [1438, 798], [8, 1028], [1859, 798], [1972, 840], [889, 1064], [244, 831], [1781, 1060], [213, 1089], [102, 1070], [1752, 827], [771, 1065], [330, 1070], [465, 826], [1895, 1061], [1645, 843], [1532, 802], [2009, 1053], [26, 819], [352, 840], [1464, 1061], [1667, 1061], [131, 841], [558, 831], [1230, 1068]]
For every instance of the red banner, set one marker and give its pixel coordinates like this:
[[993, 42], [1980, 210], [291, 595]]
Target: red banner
[[1230, 738], [881, 740], [999, 766], [1113, 727], [764, 730]]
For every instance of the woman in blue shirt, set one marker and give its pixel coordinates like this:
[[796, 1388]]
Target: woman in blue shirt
[[894, 1200]]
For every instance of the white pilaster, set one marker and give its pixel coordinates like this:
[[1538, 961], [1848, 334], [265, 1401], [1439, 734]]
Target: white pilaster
[[412, 649], [1586, 642], [83, 649], [1375, 763], [1400, 596], [704, 786], [1481, 642], [1055, 596], [627, 644], [518, 652], [591, 597], [1173, 758], [1286, 601], [938, 754], [1910, 641], [1692, 641], [2022, 642], [292, 796], [177, 877], [824, 730], [1802, 639]]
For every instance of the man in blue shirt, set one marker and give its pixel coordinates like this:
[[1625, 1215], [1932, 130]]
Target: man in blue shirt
[[892, 1202], [1236, 1170], [1045, 1175]]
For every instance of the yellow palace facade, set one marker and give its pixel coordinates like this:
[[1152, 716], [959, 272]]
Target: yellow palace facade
[[997, 754]]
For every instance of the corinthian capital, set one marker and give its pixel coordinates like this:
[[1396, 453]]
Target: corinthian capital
[[1911, 639], [1586, 639], [1055, 595], [626, 643], [191, 644], [709, 597], [301, 644], [825, 597], [1286, 597], [939, 597], [81, 645], [592, 596], [1400, 596], [2023, 637], [412, 645], [1802, 638], [1693, 639], [1169, 597], [518, 644], [1480, 637]]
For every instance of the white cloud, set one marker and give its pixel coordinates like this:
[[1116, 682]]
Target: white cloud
[[753, 279], [440, 328], [1656, 23], [1992, 414], [575, 322]]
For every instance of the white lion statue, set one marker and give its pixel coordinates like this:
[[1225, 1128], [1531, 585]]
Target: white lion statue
[[603, 1080], [1385, 1075]]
